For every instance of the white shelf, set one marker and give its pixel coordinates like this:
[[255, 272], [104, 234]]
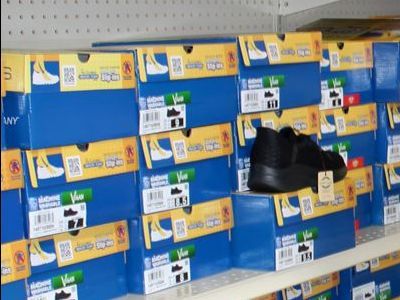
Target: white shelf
[[372, 242]]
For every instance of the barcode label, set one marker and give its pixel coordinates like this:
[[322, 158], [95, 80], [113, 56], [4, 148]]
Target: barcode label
[[65, 251], [306, 288], [285, 258], [331, 98], [180, 149], [69, 78], [392, 213], [74, 166], [340, 124], [273, 52], [364, 292], [293, 255], [307, 206], [243, 178], [177, 66], [393, 154], [334, 60], [259, 100], [180, 228], [44, 218], [162, 119], [70, 291]]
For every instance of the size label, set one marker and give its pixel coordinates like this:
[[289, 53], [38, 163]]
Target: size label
[[243, 178], [260, 100], [69, 292], [294, 255], [166, 198], [391, 213], [162, 119], [393, 154], [331, 98], [364, 292], [167, 276], [57, 220]]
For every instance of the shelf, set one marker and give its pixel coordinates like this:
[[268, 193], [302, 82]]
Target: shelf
[[372, 242]]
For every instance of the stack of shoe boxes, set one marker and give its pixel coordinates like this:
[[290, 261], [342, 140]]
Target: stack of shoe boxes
[[282, 230], [348, 116], [186, 97], [386, 82], [73, 116]]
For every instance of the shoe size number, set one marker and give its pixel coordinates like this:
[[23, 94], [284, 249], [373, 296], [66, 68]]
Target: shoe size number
[[57, 220], [162, 119], [293, 255]]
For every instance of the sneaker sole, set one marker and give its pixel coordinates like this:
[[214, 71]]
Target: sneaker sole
[[294, 178]]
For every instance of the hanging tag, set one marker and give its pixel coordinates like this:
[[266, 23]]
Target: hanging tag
[[326, 191]]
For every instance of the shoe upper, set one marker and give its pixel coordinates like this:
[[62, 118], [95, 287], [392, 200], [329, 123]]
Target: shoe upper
[[285, 148]]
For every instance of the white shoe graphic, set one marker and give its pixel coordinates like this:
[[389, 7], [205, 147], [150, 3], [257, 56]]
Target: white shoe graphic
[[44, 78], [292, 293], [39, 257], [290, 211], [324, 63], [393, 177], [153, 67], [326, 127], [49, 172], [158, 153], [249, 130], [255, 54], [362, 266], [396, 115], [158, 233]]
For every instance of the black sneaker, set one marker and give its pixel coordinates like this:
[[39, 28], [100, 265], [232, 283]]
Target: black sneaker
[[268, 94], [62, 295], [173, 112], [70, 212], [286, 162], [175, 191], [176, 268], [333, 94], [303, 248]]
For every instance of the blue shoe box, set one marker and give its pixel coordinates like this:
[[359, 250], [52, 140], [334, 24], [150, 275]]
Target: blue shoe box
[[388, 133], [386, 72], [279, 72], [275, 232], [177, 168], [75, 187], [175, 247], [303, 119], [386, 196], [346, 73], [379, 278], [13, 290], [101, 278], [63, 99]]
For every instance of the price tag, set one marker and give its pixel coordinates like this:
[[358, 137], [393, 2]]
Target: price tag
[[326, 192]]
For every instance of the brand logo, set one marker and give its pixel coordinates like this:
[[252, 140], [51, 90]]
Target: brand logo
[[178, 98], [66, 280], [226, 214], [226, 136], [182, 253], [75, 197], [127, 68], [19, 258], [10, 120], [121, 231], [130, 151], [182, 176], [231, 57], [15, 167]]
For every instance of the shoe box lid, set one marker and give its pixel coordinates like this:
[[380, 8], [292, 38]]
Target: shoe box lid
[[11, 170], [392, 176], [14, 261], [70, 71], [389, 115]]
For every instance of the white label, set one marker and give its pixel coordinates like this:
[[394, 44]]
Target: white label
[[177, 66], [166, 198], [57, 220], [74, 166], [259, 100], [180, 149], [340, 124], [69, 78], [393, 154], [162, 119], [69, 292], [65, 250], [364, 292], [243, 178], [273, 52], [334, 58], [374, 263], [391, 213], [307, 206], [294, 255], [167, 276], [306, 288], [180, 228], [331, 98], [268, 124]]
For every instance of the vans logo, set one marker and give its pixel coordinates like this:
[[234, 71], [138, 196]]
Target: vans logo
[[66, 280], [77, 196]]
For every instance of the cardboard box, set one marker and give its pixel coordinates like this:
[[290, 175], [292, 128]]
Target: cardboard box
[[56, 99], [72, 187], [303, 119], [171, 248], [278, 231], [346, 73], [386, 196], [388, 133], [279, 71], [184, 167]]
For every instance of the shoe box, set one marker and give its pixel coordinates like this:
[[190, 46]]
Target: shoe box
[[386, 71], [14, 269], [339, 122], [71, 187], [386, 196], [375, 279], [323, 287], [388, 133], [279, 71], [346, 74], [174, 247], [65, 98], [364, 183], [278, 231], [184, 84], [12, 228], [70, 248], [304, 119], [101, 278], [184, 167]]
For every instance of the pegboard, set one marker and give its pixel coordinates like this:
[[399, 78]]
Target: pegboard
[[39, 24], [340, 9]]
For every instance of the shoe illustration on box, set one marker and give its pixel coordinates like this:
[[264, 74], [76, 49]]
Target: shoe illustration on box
[[152, 66], [62, 295], [40, 75], [39, 257], [45, 170], [288, 210], [158, 233], [157, 152], [292, 293], [249, 130], [324, 62], [326, 127], [254, 52]]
